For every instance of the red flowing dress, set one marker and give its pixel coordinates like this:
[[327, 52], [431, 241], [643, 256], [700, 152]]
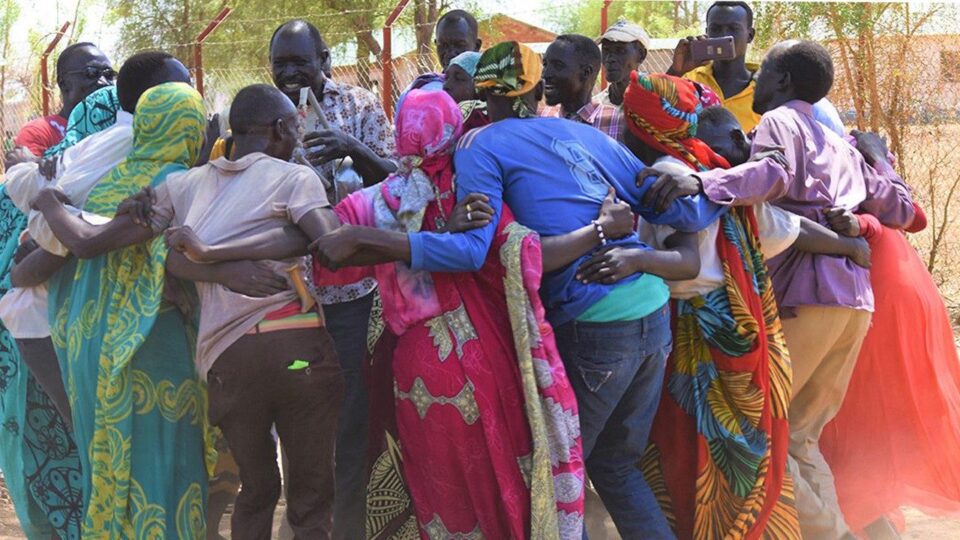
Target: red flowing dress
[[896, 439]]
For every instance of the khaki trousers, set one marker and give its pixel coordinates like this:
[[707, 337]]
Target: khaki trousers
[[824, 343]]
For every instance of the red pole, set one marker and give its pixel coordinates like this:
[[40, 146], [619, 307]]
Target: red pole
[[603, 28], [198, 45], [386, 57], [44, 78]]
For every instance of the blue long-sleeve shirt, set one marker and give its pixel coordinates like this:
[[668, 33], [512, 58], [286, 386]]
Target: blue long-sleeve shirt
[[554, 175]]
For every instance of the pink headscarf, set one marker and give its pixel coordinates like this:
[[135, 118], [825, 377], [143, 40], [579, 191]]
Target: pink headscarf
[[428, 126]]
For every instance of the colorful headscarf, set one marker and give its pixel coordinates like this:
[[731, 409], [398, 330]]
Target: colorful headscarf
[[663, 111], [95, 113], [467, 61], [168, 130], [509, 69], [427, 128]]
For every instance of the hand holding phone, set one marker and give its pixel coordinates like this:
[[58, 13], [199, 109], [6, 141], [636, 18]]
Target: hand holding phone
[[706, 50]]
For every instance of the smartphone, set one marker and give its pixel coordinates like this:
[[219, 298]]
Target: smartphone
[[704, 50]]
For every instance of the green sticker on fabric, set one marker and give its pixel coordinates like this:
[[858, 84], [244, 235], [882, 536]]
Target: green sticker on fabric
[[298, 364]]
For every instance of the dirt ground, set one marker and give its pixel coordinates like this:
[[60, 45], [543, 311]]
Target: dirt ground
[[919, 526]]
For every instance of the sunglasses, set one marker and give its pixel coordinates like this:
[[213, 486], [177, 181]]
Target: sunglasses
[[94, 73]]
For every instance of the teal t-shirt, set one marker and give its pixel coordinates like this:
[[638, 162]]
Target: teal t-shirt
[[629, 302]]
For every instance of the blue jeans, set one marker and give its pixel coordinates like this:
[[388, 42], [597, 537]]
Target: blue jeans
[[616, 370]]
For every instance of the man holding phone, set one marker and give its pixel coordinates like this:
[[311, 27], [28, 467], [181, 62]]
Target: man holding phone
[[718, 65], [719, 60]]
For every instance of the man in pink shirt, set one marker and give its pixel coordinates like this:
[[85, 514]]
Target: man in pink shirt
[[826, 301]]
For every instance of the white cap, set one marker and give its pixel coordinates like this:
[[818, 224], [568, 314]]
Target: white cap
[[626, 32]]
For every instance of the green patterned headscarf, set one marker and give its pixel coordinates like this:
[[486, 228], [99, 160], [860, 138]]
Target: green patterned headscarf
[[509, 69], [116, 300], [95, 113]]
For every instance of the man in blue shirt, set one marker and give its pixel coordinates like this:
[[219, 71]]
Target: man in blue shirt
[[614, 340]]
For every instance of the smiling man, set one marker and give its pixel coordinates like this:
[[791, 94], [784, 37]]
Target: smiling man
[[570, 68], [360, 130], [81, 69]]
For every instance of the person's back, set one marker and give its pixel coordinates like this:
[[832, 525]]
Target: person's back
[[554, 175]]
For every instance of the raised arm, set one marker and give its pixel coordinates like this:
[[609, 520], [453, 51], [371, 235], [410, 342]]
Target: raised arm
[[83, 239], [888, 197]]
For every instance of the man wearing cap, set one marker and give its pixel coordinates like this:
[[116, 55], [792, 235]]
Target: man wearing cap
[[624, 47], [570, 67]]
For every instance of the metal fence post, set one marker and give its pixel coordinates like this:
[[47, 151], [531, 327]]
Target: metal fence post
[[44, 77], [386, 58], [198, 45]]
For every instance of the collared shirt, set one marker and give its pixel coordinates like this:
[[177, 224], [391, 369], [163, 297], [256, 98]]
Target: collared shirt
[[226, 200], [554, 175], [741, 104], [606, 118], [358, 113], [823, 171]]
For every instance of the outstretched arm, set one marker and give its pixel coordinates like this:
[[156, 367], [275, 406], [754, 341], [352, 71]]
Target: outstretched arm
[[275, 244], [678, 261], [251, 278], [615, 221], [83, 239], [815, 238]]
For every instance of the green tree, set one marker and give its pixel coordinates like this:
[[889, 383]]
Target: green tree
[[661, 19]]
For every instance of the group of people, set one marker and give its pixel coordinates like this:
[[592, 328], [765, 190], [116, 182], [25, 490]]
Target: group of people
[[491, 317]]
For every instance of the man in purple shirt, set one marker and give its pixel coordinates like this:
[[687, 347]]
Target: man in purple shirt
[[826, 301]]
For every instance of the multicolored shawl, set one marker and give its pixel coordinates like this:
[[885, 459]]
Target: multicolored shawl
[[95, 113], [127, 362], [663, 111], [509, 69], [484, 411], [718, 447]]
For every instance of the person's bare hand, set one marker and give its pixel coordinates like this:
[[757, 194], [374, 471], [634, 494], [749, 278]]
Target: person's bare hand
[[186, 241], [843, 221], [326, 145], [333, 249], [609, 266], [472, 212], [667, 188], [683, 56], [255, 278], [139, 206], [616, 217], [858, 251], [18, 155], [48, 167]]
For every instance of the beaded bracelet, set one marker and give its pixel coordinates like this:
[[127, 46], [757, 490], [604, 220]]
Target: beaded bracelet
[[599, 228]]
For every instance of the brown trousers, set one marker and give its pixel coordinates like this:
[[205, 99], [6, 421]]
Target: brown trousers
[[824, 343], [251, 389]]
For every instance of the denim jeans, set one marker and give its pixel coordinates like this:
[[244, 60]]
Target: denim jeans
[[347, 323], [616, 370]]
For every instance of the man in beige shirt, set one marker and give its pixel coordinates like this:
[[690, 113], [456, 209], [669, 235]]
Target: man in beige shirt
[[266, 362]]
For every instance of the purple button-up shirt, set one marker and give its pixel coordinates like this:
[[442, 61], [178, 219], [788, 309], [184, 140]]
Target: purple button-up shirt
[[823, 172]]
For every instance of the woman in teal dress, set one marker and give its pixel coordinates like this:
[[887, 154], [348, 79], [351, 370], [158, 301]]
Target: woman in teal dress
[[38, 455], [139, 408]]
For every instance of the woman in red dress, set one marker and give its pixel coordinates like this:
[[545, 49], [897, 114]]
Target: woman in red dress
[[896, 439]]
